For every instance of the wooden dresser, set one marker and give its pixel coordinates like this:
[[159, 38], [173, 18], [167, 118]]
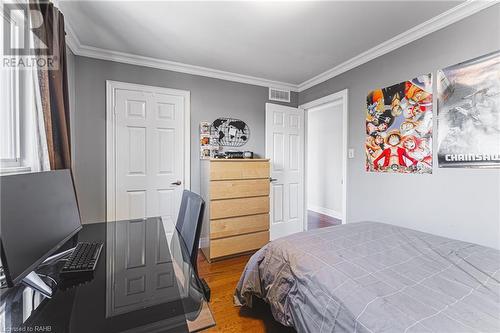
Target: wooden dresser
[[236, 219]]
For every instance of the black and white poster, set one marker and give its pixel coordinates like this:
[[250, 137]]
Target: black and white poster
[[468, 109]]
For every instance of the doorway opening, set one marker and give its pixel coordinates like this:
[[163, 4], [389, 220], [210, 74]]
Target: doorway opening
[[326, 161]]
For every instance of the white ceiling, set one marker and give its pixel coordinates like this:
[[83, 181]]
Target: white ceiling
[[283, 41]]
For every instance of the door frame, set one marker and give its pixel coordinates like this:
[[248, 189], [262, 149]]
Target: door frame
[[111, 87], [340, 97]]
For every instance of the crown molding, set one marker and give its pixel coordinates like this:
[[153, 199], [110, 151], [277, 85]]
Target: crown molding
[[93, 52], [438, 22], [72, 40]]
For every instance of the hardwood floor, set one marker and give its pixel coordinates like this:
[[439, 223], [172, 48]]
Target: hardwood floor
[[317, 220], [222, 277]]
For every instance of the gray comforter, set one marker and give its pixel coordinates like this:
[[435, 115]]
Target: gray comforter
[[374, 277]]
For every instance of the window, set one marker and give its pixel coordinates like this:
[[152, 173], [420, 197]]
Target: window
[[17, 106], [9, 117]]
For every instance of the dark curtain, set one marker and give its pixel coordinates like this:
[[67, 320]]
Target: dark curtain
[[53, 81]]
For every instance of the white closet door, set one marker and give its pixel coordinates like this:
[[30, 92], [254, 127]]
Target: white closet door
[[149, 148]]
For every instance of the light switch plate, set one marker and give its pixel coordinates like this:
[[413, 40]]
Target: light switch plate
[[351, 153]]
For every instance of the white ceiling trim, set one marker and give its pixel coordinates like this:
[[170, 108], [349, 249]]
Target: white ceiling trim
[[72, 40], [93, 52], [445, 19]]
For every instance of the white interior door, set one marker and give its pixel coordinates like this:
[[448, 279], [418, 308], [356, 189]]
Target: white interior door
[[147, 151], [285, 149]]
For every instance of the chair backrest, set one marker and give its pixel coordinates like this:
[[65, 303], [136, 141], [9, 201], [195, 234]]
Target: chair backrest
[[189, 223]]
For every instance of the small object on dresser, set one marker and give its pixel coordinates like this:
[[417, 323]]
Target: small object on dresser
[[220, 155], [247, 154], [234, 154]]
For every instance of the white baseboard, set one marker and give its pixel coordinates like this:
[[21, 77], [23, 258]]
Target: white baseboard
[[325, 211]]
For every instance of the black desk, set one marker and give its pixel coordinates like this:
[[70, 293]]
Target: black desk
[[144, 282]]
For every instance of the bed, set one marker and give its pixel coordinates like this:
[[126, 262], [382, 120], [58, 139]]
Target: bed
[[374, 277]]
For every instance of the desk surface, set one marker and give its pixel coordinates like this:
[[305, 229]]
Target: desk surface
[[143, 282]]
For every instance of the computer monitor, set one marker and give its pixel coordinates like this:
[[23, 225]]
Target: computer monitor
[[39, 213]]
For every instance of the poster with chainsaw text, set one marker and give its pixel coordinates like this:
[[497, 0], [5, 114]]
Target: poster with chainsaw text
[[399, 127], [469, 113]]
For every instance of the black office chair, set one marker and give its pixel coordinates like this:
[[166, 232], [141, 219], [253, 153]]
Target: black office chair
[[189, 223]]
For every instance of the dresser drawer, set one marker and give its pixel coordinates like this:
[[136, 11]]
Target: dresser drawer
[[220, 209], [238, 225], [225, 170], [227, 189], [238, 244]]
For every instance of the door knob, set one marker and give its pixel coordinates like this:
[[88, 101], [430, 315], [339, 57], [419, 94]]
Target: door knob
[[176, 183], [272, 179]]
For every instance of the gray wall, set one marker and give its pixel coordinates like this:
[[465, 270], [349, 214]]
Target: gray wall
[[457, 203], [210, 98]]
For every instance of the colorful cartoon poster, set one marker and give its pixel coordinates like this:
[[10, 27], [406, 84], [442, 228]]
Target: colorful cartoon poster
[[469, 113], [399, 127]]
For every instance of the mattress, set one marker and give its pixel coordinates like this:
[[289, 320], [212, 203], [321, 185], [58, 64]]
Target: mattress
[[375, 277]]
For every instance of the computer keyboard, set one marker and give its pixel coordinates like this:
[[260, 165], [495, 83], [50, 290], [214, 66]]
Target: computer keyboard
[[83, 260]]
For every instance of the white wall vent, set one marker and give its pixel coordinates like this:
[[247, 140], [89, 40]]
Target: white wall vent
[[279, 95]]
